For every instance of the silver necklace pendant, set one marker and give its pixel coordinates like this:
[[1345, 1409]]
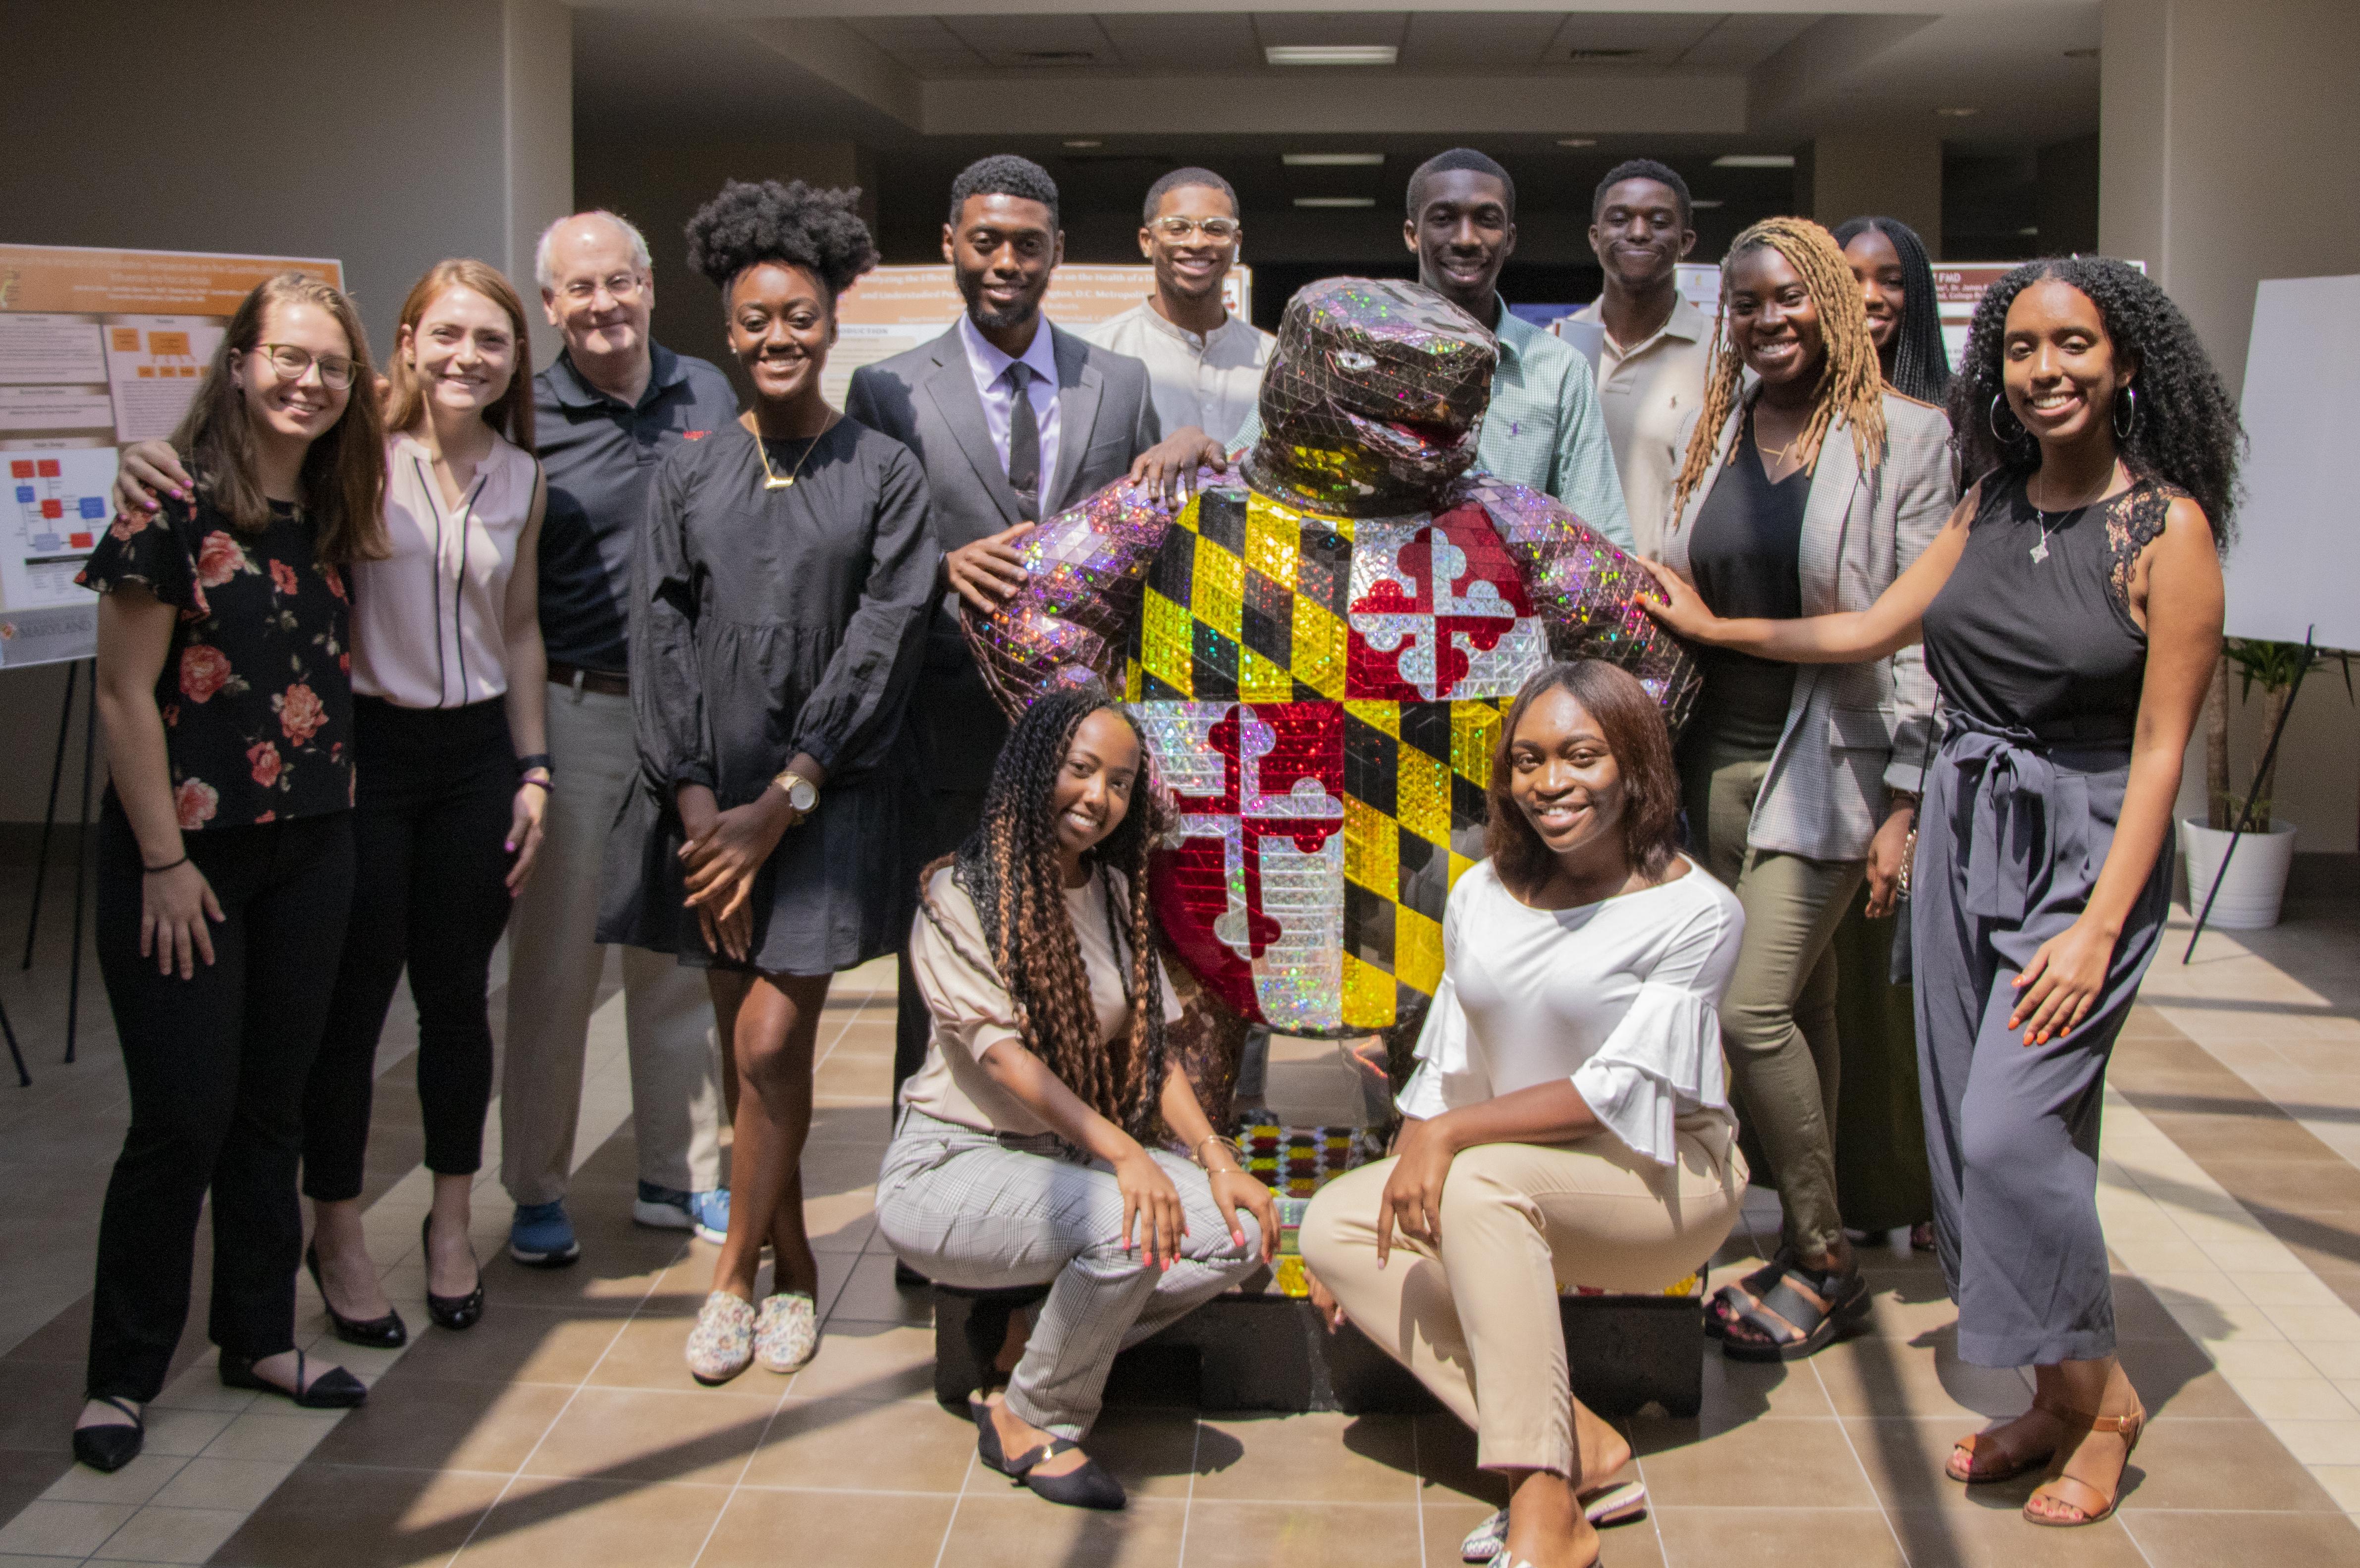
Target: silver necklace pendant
[[2040, 551]]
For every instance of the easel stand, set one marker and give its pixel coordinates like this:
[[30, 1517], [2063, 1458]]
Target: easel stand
[[2245, 813], [82, 851]]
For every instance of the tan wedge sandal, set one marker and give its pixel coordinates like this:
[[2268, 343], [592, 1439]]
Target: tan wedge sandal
[[2060, 1487]]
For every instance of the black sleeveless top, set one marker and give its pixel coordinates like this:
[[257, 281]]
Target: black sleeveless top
[[2034, 630], [1746, 551]]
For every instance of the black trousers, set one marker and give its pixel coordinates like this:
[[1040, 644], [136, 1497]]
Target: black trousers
[[216, 1065], [437, 793]]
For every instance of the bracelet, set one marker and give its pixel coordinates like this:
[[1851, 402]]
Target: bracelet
[[537, 784], [538, 760], [1229, 1144], [157, 871]]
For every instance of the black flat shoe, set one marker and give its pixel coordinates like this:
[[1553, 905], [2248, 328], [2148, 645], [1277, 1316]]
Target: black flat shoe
[[389, 1333], [1088, 1487], [451, 1311], [114, 1445], [335, 1389]]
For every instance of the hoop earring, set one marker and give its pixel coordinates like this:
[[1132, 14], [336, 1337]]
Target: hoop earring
[[1993, 420], [2123, 432]]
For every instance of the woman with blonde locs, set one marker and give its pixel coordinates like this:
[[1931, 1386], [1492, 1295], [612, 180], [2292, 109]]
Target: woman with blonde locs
[[1808, 487], [225, 845], [1034, 1144], [2071, 611], [779, 605]]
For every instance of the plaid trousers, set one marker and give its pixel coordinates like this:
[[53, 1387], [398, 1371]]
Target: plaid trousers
[[989, 1210]]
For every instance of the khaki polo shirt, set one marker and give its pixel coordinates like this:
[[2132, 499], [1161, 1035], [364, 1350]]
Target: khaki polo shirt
[[1648, 391]]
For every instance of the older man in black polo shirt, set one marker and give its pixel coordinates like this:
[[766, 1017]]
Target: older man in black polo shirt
[[606, 411]]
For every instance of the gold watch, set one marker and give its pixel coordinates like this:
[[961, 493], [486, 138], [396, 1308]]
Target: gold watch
[[801, 793]]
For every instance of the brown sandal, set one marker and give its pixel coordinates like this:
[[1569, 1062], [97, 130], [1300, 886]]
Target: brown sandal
[[2053, 1488], [2012, 1462]]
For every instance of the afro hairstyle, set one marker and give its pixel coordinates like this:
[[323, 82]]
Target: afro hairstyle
[[1004, 174], [801, 225]]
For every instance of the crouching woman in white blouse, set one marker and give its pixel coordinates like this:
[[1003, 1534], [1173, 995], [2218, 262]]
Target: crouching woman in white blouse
[[1569, 1122]]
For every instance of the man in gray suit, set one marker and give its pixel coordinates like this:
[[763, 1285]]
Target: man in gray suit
[[1015, 419]]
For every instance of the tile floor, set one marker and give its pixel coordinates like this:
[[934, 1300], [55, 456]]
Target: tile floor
[[563, 1428]]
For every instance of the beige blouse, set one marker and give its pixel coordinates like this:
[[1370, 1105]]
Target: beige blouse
[[972, 1011]]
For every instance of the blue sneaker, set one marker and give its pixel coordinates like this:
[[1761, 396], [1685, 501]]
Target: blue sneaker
[[669, 1209], [541, 1236]]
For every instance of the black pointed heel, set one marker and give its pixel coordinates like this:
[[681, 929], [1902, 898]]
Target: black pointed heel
[[111, 1445], [335, 1389], [389, 1333], [450, 1311]]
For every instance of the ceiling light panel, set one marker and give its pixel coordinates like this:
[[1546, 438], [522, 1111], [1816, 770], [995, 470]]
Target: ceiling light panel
[[1331, 54], [1335, 201], [1754, 160], [1332, 159]]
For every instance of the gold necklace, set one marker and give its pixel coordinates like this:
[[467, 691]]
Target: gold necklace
[[770, 480]]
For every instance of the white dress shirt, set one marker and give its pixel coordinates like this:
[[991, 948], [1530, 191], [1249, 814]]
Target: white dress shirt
[[1208, 379], [1620, 996], [989, 368]]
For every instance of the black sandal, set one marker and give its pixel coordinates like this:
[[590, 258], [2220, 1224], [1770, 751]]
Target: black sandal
[[1837, 1303], [1731, 1303], [335, 1389], [111, 1445]]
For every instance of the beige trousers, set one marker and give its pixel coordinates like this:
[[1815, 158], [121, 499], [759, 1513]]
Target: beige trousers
[[1477, 1318], [555, 960]]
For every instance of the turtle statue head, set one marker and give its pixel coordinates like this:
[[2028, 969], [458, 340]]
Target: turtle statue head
[[1372, 399]]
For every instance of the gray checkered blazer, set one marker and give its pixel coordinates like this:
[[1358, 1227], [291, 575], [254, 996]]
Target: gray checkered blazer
[[1853, 731]]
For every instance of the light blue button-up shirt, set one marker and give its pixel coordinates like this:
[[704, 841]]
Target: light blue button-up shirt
[[989, 368]]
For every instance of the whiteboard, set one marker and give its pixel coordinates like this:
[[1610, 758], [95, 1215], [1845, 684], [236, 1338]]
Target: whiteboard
[[2297, 562]]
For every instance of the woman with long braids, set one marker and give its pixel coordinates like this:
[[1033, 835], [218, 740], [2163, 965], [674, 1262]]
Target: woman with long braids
[[1905, 319], [2071, 611], [1808, 487], [781, 588], [1034, 1144]]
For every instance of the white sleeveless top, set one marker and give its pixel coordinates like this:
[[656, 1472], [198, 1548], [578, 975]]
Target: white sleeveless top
[[428, 620]]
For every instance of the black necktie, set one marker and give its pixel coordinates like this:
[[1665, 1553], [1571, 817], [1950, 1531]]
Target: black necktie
[[1024, 445]]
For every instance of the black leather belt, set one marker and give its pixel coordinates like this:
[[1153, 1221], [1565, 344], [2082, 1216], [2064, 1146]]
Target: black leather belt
[[606, 683]]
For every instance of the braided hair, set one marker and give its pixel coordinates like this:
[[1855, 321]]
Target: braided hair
[[2184, 426], [1851, 382], [1921, 365], [1007, 867]]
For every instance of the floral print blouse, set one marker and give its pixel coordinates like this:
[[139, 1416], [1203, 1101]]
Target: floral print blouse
[[256, 693]]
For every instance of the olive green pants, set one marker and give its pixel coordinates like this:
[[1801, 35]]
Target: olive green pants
[[1778, 1018]]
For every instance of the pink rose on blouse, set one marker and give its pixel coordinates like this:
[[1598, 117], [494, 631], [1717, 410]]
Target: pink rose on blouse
[[220, 560], [300, 712], [282, 578], [335, 581], [266, 762], [197, 801], [204, 670], [266, 817], [125, 525]]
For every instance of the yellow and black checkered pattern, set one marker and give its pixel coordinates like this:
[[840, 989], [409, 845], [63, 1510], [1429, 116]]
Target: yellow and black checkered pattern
[[1247, 602]]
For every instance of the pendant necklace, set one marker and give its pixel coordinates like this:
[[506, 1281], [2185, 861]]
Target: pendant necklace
[[2040, 516], [771, 481]]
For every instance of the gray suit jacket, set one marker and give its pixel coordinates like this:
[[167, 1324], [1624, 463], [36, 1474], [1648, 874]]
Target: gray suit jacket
[[925, 398], [1853, 731]]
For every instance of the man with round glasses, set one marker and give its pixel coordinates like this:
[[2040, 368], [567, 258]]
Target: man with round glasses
[[1203, 365]]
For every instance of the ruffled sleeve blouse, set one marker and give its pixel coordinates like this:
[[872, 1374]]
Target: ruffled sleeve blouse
[[1620, 996]]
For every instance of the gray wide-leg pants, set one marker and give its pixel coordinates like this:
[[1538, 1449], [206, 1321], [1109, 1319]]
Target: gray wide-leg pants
[[2011, 838]]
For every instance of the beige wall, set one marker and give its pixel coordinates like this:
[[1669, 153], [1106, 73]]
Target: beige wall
[[1857, 174], [2230, 132], [432, 128]]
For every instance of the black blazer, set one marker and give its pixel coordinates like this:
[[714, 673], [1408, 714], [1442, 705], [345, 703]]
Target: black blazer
[[925, 398]]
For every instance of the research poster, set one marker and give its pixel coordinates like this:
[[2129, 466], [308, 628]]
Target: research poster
[[897, 308], [98, 349]]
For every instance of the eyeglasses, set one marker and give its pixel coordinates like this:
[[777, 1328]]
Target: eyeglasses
[[623, 286], [292, 363], [1221, 231]]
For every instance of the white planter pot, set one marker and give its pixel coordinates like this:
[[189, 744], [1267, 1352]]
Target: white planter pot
[[2249, 895]]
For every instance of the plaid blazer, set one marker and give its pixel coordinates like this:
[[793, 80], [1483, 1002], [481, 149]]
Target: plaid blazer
[[1853, 731]]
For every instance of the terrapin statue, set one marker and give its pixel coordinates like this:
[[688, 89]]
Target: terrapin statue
[[1320, 648]]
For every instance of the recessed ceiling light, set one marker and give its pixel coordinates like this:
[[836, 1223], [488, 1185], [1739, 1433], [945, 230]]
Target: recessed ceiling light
[[1596, 55], [1956, 114], [1331, 159], [2030, 230], [1084, 141], [1331, 54], [1056, 56], [1706, 202], [2090, 53], [1335, 201], [1754, 160], [1577, 141]]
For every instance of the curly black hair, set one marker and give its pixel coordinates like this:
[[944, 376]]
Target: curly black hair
[[1916, 363], [1004, 174], [2185, 428], [801, 225]]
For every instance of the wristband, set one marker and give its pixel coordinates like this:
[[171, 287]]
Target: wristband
[[171, 866], [538, 760]]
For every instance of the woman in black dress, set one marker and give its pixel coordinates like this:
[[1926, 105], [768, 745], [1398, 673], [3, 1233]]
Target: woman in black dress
[[781, 592], [2072, 615]]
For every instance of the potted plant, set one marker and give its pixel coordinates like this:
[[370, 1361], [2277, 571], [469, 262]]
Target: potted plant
[[2256, 882]]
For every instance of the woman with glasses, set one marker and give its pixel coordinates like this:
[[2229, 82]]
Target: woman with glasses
[[448, 677], [225, 845]]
